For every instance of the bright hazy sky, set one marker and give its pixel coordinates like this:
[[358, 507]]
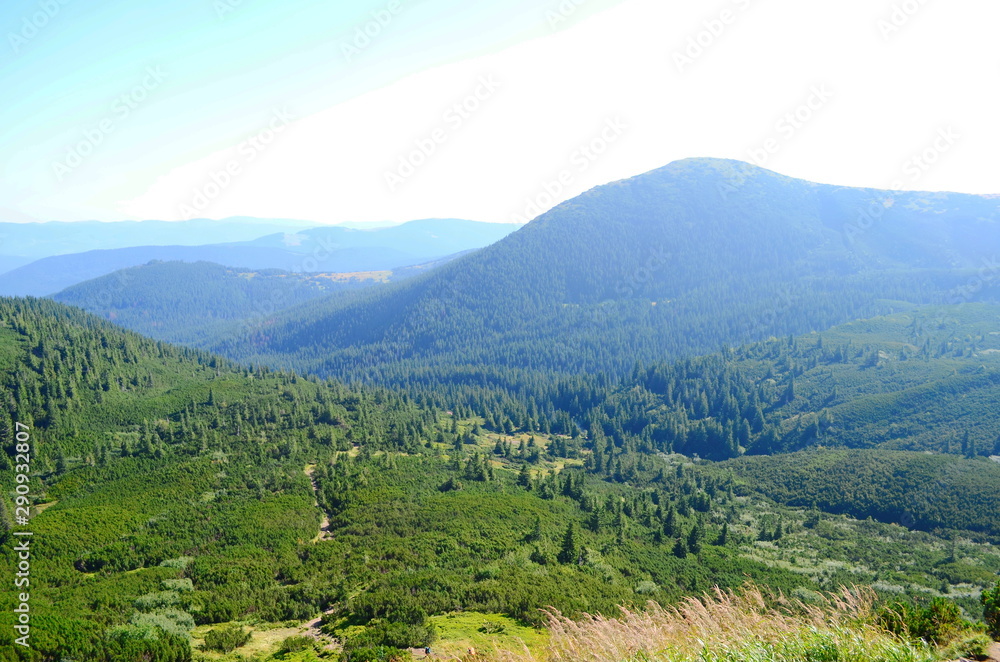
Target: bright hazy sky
[[123, 110]]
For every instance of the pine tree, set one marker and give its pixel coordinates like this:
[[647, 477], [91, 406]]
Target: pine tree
[[723, 535], [569, 551], [670, 522], [694, 538], [789, 395], [594, 521], [524, 477], [536, 532]]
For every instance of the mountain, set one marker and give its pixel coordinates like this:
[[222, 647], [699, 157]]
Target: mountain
[[334, 250], [675, 262], [38, 240], [53, 274], [428, 237], [194, 303], [11, 262]]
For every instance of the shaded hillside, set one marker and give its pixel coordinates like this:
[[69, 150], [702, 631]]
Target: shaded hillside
[[671, 263], [194, 303], [916, 490], [928, 379]]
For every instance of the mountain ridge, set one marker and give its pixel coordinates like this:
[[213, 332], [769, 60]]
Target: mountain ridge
[[674, 237], [315, 250]]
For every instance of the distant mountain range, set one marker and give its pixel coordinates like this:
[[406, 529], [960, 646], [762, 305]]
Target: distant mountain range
[[38, 240], [429, 237], [11, 262], [328, 250]]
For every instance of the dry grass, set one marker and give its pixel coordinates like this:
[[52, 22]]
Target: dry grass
[[731, 627]]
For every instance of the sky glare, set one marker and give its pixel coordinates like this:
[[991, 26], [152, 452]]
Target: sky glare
[[396, 110]]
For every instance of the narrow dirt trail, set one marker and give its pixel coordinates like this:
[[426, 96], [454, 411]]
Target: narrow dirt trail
[[324, 525], [311, 629]]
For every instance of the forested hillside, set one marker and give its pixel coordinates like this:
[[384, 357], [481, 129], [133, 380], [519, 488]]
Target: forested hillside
[[195, 303], [171, 492], [928, 379], [174, 492], [916, 490], [169, 462], [673, 263]]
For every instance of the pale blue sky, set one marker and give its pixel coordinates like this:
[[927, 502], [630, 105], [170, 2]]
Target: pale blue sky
[[227, 66]]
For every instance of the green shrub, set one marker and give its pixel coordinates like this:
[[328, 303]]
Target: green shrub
[[180, 563], [991, 610], [971, 645], [490, 626], [391, 605], [393, 635], [226, 639], [178, 585], [295, 644], [160, 600], [938, 622], [646, 588], [129, 642], [173, 621], [217, 610]]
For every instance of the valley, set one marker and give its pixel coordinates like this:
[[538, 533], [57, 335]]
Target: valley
[[636, 397]]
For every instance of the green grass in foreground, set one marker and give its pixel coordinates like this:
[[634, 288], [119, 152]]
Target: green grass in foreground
[[487, 633]]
